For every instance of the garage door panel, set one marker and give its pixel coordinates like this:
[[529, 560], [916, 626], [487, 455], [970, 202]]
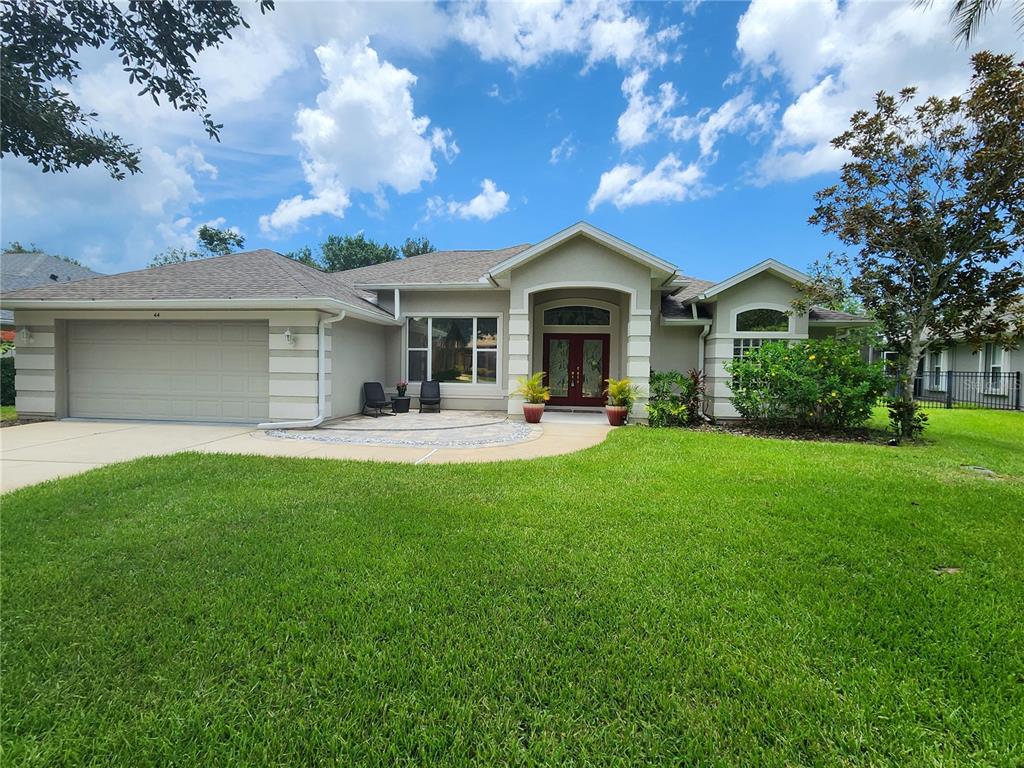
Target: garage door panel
[[211, 371]]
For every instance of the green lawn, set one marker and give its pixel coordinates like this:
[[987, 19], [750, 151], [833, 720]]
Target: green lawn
[[665, 598], [7, 413]]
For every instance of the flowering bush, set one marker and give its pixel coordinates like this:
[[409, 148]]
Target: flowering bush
[[823, 385]]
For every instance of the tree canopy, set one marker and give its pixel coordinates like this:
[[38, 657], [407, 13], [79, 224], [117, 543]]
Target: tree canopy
[[931, 206], [157, 43], [341, 252], [212, 242]]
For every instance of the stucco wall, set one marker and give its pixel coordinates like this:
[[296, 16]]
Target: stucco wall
[[359, 354], [675, 348]]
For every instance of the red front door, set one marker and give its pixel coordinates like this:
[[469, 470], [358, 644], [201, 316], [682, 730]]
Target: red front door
[[576, 367]]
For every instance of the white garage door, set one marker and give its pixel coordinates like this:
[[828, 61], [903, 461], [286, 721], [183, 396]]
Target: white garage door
[[180, 371]]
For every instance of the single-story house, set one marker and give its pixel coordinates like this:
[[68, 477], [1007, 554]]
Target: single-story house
[[258, 337], [24, 269]]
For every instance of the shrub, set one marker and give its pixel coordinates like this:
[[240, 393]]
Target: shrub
[[906, 419], [824, 385], [7, 381], [675, 398]]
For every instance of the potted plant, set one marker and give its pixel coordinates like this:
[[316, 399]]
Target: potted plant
[[621, 396], [535, 394], [402, 386]]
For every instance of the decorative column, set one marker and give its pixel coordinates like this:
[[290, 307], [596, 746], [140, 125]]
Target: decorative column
[[518, 353], [638, 356]]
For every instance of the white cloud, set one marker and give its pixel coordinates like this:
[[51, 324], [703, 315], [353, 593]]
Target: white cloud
[[833, 59], [627, 185], [643, 113], [524, 34], [489, 203], [738, 114], [363, 136], [563, 151]]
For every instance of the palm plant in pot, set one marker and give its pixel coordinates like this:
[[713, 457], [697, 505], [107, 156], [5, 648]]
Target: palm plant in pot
[[535, 394], [621, 396]]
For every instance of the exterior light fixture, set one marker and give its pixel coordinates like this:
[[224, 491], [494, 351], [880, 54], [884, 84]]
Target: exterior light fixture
[[289, 337], [25, 335]]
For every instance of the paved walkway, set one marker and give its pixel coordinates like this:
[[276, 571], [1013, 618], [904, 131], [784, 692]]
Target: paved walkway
[[32, 453]]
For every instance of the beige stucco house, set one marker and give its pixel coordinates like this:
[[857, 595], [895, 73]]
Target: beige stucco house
[[256, 337]]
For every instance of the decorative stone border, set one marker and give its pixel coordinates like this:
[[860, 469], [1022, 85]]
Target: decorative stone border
[[515, 432]]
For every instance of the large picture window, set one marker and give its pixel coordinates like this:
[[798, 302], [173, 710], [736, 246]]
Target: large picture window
[[762, 319], [453, 349]]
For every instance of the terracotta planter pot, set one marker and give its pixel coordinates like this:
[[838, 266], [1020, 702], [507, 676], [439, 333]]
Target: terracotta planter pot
[[532, 412], [616, 414]]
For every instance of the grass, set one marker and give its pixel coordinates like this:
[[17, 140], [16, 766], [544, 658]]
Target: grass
[[665, 598], [7, 413]]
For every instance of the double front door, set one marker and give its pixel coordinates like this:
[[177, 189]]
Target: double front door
[[577, 367]]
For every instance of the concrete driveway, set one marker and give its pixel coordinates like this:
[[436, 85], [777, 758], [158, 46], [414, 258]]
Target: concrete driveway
[[32, 453]]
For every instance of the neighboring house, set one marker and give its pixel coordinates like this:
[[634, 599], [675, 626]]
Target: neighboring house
[[988, 375], [258, 337], [24, 270]]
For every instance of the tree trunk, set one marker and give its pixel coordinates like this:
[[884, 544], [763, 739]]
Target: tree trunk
[[909, 374]]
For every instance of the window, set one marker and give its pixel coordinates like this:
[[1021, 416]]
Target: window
[[763, 319], [453, 349], [891, 360], [577, 316], [936, 377], [740, 347], [993, 363]]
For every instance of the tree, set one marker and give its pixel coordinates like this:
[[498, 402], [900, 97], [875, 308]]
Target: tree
[[212, 242], [967, 15], [933, 201], [157, 43], [416, 247], [304, 256], [352, 251], [15, 246]]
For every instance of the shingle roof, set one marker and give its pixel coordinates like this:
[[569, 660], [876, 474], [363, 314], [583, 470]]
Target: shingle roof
[[822, 315], [23, 270], [250, 274], [438, 267], [678, 304]]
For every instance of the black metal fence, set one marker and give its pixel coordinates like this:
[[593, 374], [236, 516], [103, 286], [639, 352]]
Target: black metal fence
[[968, 389]]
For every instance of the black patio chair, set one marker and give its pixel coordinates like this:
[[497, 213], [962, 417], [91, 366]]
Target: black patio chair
[[374, 399], [430, 396]]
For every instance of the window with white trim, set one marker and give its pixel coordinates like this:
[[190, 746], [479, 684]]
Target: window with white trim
[[762, 319], [936, 374], [993, 364], [454, 350], [740, 347]]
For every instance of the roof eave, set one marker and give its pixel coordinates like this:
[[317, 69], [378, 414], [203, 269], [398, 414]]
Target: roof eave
[[480, 284], [322, 303]]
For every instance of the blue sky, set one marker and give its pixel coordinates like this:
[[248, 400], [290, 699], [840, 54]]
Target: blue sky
[[698, 131]]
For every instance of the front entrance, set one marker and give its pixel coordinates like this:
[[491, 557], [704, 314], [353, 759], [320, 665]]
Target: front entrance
[[576, 366]]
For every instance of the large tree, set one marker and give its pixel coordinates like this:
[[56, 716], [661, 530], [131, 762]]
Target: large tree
[[211, 242], [416, 247], [931, 206], [342, 252], [157, 42]]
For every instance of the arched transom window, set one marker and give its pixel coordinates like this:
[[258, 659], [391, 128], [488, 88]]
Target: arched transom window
[[762, 319], [577, 315]]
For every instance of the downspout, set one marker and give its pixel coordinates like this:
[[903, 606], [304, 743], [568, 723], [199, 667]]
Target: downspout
[[321, 381], [700, 366]]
